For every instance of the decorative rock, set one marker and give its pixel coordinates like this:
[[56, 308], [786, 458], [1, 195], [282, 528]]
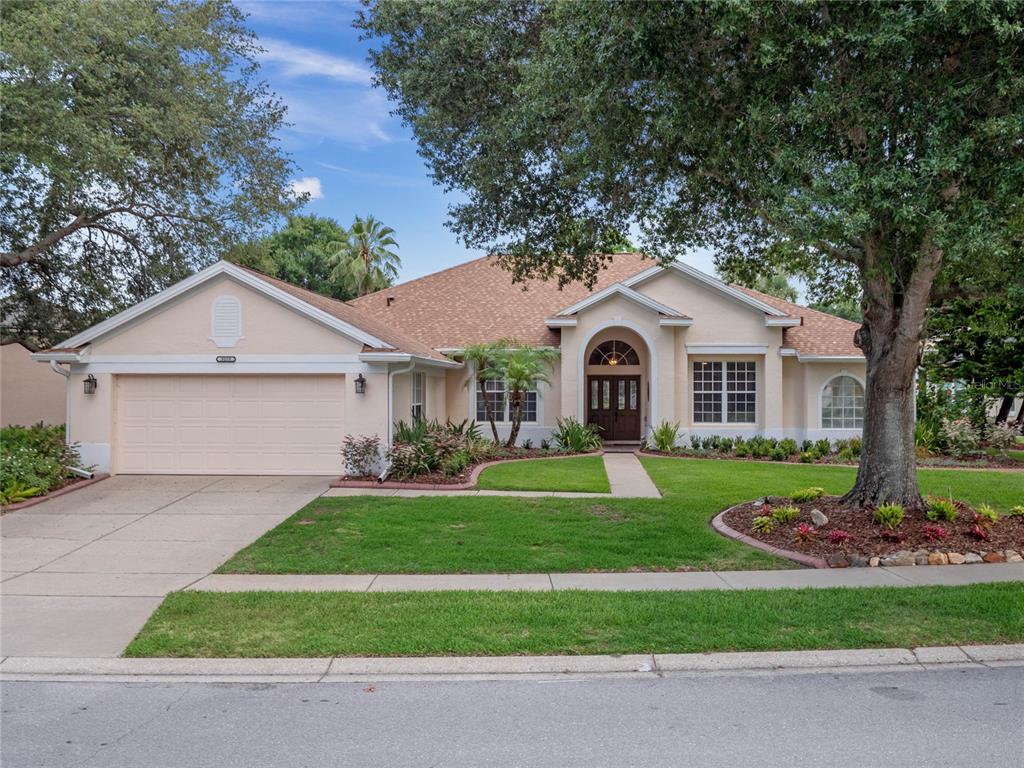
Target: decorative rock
[[938, 558], [955, 558], [856, 561], [838, 560], [993, 557], [921, 559], [973, 557], [818, 517], [1013, 556], [873, 562], [903, 557]]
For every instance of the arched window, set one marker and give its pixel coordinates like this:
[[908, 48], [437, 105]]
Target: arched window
[[842, 404], [614, 353], [226, 321]]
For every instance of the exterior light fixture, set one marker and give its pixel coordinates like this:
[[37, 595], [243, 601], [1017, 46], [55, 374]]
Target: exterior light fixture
[[90, 384], [613, 361], [360, 384]]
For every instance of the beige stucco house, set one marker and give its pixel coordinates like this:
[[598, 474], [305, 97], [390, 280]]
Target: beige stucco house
[[29, 393], [231, 371]]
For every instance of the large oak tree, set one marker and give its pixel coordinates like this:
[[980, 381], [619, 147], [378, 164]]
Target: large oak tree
[[879, 142], [137, 144]]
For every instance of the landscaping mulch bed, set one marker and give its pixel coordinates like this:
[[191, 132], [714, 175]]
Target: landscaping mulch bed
[[433, 479], [868, 539], [940, 462]]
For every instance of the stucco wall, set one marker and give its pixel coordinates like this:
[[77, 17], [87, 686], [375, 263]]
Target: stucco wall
[[182, 327], [30, 392]]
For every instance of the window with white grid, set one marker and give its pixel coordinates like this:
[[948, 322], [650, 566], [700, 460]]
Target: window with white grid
[[724, 392], [497, 394], [842, 404], [418, 390]]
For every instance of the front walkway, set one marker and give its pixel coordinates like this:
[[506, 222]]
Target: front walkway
[[910, 576], [626, 476], [83, 572]]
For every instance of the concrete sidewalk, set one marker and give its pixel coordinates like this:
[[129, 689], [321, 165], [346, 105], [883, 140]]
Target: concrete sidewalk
[[626, 476], [347, 669], [910, 576]]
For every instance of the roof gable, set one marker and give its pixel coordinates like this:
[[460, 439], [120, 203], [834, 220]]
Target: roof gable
[[714, 283], [620, 289]]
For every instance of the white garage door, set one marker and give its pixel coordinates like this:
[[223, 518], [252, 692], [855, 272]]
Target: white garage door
[[222, 425]]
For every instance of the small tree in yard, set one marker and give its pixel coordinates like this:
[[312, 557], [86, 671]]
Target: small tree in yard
[[483, 359], [878, 143], [524, 368]]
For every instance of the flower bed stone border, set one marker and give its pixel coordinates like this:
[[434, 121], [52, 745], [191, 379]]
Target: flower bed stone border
[[842, 560], [468, 485], [72, 486]]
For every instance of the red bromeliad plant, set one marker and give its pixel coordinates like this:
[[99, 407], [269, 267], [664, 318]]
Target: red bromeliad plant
[[934, 532], [838, 536], [805, 532]]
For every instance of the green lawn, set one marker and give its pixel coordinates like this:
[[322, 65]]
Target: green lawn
[[494, 534], [584, 474], [275, 624], [724, 483], [364, 534]]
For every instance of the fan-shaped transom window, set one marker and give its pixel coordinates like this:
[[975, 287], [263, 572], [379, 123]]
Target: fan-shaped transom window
[[226, 321], [842, 404], [614, 353]]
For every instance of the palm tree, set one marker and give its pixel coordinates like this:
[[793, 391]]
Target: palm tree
[[486, 361], [364, 262], [524, 368]]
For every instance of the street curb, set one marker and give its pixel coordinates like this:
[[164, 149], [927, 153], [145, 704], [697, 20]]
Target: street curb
[[352, 669]]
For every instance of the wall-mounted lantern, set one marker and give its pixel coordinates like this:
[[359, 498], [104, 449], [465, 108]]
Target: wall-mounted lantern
[[360, 384], [90, 384]]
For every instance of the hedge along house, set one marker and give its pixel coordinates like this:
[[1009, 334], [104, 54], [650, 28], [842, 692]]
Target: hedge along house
[[234, 372]]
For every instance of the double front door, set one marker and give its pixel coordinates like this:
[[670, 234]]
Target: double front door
[[613, 405]]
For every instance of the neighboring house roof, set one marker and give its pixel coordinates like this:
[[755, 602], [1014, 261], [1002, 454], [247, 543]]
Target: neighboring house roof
[[819, 333]]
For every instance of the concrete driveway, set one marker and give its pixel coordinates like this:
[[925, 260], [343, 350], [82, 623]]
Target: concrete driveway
[[82, 573]]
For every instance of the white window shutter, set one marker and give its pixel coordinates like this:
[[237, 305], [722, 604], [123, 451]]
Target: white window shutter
[[226, 321]]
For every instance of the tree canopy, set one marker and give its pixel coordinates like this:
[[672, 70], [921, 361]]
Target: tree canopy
[[138, 144], [873, 143]]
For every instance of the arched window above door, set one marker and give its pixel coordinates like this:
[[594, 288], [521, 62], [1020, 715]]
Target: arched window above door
[[614, 352]]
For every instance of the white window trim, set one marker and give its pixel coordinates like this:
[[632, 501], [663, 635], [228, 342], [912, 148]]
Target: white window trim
[[413, 402], [724, 423], [230, 340], [821, 398], [504, 421]]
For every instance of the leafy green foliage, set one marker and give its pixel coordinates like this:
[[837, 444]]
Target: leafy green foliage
[[138, 146], [985, 514], [523, 367], [571, 435], [889, 515], [938, 508], [663, 437], [764, 524], [33, 461], [361, 454], [807, 494], [366, 262], [785, 513]]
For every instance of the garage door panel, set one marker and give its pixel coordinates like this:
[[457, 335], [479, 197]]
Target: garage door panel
[[229, 424]]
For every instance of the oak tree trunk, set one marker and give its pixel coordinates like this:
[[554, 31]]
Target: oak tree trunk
[[891, 336]]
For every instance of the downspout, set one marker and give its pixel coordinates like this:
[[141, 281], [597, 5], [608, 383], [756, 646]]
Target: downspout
[[56, 368], [391, 408]]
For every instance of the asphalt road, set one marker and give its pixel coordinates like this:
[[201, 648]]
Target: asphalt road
[[913, 718]]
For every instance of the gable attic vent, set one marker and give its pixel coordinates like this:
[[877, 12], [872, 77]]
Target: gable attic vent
[[226, 321]]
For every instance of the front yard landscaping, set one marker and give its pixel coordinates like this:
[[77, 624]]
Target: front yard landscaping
[[535, 535], [583, 474], [495, 534], [305, 624]]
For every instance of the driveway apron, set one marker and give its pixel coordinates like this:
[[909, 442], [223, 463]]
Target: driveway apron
[[80, 574]]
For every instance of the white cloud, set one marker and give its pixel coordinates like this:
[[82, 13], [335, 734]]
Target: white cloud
[[297, 61], [356, 117], [307, 185]]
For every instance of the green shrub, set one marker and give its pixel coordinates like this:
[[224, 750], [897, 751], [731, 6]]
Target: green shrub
[[571, 435], [806, 446], [785, 514], [360, 454], [807, 494], [664, 436], [823, 447], [1017, 511], [742, 449], [961, 437], [527, 444], [33, 461], [808, 457], [987, 512], [889, 515], [789, 446], [456, 463], [764, 524], [940, 509]]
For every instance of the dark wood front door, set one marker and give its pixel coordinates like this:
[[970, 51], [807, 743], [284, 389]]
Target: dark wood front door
[[613, 405]]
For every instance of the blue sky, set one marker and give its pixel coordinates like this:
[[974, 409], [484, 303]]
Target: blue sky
[[352, 155]]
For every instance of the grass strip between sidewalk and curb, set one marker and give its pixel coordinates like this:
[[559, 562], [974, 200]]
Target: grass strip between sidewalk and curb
[[306, 624], [577, 474]]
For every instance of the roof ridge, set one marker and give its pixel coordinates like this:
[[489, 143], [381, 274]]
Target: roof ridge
[[801, 307], [423, 277]]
